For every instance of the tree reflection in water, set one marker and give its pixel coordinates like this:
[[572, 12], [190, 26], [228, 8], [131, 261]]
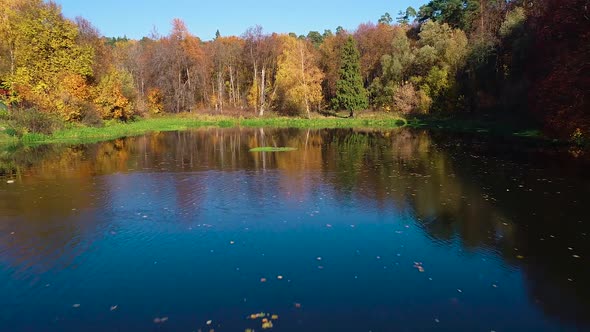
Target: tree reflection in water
[[524, 204]]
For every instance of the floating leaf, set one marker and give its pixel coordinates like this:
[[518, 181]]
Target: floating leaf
[[266, 324]]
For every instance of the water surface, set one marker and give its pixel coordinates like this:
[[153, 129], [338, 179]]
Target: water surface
[[399, 230]]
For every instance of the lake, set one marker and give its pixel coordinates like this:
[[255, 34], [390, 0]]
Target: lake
[[356, 230]]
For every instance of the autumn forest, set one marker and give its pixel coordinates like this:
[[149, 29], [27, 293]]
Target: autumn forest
[[517, 59], [424, 171]]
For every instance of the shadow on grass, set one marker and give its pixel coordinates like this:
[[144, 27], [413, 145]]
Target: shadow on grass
[[327, 113]]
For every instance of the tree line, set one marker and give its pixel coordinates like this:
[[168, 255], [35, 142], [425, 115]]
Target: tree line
[[520, 58]]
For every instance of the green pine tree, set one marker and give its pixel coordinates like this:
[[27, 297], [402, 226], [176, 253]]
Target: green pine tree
[[350, 92]]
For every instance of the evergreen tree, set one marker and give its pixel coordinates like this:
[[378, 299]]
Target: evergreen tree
[[350, 92]]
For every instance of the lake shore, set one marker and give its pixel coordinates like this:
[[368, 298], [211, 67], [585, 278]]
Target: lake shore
[[77, 134]]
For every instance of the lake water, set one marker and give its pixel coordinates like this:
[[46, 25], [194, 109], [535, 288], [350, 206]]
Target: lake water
[[400, 230]]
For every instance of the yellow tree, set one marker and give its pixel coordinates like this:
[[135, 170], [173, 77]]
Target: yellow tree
[[45, 54], [114, 95], [7, 19], [299, 79]]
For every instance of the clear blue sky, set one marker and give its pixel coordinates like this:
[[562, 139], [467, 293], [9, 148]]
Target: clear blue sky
[[136, 19]]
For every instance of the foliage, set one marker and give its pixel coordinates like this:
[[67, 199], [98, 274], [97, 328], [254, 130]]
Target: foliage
[[90, 115], [51, 68], [4, 115], [114, 95], [456, 13], [520, 58], [404, 17], [155, 101], [350, 92], [33, 121], [373, 41], [559, 67], [330, 57], [406, 99], [515, 19], [396, 70], [385, 19], [298, 79], [450, 44]]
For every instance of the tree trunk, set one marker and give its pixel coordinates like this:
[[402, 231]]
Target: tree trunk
[[305, 89], [178, 94], [262, 84], [481, 9], [255, 87], [12, 61], [220, 91], [239, 96], [232, 92], [213, 93]]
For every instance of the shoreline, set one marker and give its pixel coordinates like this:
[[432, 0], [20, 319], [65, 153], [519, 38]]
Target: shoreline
[[113, 130]]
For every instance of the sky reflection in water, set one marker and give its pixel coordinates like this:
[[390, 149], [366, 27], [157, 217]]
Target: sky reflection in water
[[369, 230]]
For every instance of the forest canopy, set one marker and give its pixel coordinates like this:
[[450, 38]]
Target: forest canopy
[[515, 58]]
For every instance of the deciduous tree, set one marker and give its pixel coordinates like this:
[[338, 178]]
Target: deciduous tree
[[298, 78]]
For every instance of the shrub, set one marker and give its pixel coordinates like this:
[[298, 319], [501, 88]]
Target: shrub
[[577, 137], [406, 99], [34, 121], [10, 132], [4, 115], [90, 116]]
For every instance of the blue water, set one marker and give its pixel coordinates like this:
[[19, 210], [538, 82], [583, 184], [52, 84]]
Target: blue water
[[184, 232]]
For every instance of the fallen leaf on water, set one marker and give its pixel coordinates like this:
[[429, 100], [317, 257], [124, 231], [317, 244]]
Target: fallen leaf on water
[[520, 257], [274, 317], [77, 305], [209, 322], [266, 325], [419, 266], [258, 315], [114, 307]]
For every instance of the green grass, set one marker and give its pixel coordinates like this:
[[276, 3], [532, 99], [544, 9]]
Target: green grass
[[272, 149], [79, 134], [82, 134]]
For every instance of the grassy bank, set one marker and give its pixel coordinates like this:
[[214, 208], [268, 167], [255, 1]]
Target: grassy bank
[[111, 130]]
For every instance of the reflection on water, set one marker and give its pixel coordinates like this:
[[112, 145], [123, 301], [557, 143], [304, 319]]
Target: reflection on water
[[369, 231]]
